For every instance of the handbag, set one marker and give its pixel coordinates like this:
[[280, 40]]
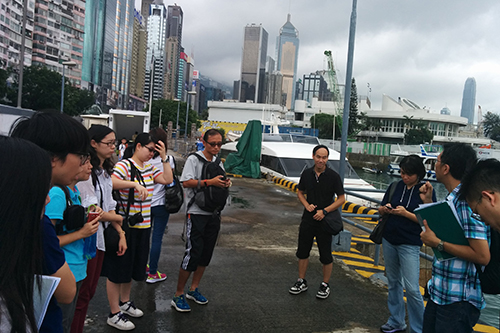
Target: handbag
[[332, 223], [378, 232], [111, 239], [174, 195]]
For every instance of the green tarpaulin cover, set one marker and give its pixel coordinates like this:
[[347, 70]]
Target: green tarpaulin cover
[[246, 161]]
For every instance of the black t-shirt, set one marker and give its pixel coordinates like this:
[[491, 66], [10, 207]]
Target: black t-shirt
[[320, 190]]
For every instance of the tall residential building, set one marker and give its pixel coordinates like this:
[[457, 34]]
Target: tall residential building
[[156, 56], [145, 9], [11, 16], [253, 64], [287, 54], [174, 29], [469, 100], [172, 67], [107, 50], [139, 47], [58, 36]]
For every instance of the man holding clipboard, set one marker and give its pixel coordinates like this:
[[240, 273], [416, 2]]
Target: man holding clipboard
[[455, 291]]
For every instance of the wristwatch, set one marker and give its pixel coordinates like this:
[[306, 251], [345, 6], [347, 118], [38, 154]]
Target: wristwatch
[[325, 212], [440, 246], [166, 160]]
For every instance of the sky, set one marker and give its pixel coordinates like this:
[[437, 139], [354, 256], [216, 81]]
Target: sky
[[423, 50]]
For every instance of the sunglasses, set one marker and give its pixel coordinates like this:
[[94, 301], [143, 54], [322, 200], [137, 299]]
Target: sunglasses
[[214, 144]]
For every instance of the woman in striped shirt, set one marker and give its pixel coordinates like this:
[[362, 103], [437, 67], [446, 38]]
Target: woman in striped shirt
[[120, 270]]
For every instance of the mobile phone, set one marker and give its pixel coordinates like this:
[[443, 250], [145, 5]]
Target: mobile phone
[[92, 216], [388, 207]]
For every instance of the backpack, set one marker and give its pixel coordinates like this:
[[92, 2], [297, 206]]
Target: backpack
[[174, 195], [210, 198], [74, 216], [490, 276]]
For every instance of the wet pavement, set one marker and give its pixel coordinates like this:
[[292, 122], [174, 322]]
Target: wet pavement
[[247, 281]]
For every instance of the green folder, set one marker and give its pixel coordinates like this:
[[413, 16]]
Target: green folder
[[442, 218]]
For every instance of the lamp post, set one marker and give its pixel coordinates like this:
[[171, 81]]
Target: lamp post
[[64, 64], [187, 113], [177, 124]]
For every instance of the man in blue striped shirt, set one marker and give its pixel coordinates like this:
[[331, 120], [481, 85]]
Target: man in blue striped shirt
[[455, 291]]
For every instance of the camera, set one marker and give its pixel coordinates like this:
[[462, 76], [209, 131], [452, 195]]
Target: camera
[[136, 218]]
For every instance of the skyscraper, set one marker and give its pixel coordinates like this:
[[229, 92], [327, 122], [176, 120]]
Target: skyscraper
[[139, 47], [175, 18], [156, 55], [287, 54], [469, 100], [253, 64]]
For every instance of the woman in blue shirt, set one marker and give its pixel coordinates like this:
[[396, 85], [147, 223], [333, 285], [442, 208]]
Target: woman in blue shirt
[[401, 246]]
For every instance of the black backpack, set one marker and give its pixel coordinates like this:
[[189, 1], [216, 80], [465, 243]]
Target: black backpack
[[74, 216], [490, 277], [174, 195], [210, 198]]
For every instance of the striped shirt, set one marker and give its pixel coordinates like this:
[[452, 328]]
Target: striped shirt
[[455, 280], [149, 173]]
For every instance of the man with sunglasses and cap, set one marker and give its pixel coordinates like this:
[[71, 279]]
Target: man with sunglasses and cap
[[202, 227], [455, 292]]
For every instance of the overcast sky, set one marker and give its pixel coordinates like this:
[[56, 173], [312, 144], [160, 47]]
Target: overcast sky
[[423, 50]]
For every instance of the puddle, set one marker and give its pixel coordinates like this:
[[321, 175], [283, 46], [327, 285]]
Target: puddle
[[242, 203]]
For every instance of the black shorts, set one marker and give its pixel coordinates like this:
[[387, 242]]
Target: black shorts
[[202, 232], [132, 265], [307, 232]]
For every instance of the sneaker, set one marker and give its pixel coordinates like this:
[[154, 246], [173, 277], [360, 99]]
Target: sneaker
[[196, 296], [180, 304], [130, 309], [387, 328], [324, 290], [158, 277], [298, 287], [120, 321]]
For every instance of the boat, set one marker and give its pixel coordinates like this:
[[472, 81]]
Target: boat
[[371, 170], [287, 155], [429, 159]]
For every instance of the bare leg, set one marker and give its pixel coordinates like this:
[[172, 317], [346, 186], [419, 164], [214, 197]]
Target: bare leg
[[327, 272], [113, 291], [198, 273], [125, 291], [303, 263], [181, 281]]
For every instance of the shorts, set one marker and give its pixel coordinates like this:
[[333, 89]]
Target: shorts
[[307, 232], [202, 232], [132, 265]]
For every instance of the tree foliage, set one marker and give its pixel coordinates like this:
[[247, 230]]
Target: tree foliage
[[418, 136], [324, 123], [169, 113], [491, 125], [355, 117]]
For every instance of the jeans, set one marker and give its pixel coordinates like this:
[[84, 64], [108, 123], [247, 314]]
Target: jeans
[[458, 317], [159, 220], [402, 267]]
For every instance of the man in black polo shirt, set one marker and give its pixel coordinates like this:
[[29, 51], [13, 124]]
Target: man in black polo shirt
[[320, 184]]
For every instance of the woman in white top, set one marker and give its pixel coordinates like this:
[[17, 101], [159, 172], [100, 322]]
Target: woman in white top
[[98, 190]]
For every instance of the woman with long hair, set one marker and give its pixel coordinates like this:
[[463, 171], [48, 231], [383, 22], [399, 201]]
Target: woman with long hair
[[23, 195], [159, 213], [98, 190], [401, 243], [120, 270]]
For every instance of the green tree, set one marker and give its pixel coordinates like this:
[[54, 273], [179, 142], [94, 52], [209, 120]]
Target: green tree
[[77, 100], [324, 123], [491, 124], [204, 114], [354, 116], [418, 136], [6, 92], [169, 113]]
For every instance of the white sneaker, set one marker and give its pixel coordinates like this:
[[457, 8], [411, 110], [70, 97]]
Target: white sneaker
[[130, 309], [120, 321]]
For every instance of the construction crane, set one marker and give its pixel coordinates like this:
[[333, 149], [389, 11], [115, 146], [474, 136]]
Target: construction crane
[[332, 78]]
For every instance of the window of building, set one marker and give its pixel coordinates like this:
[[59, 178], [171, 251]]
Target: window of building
[[386, 125], [398, 126]]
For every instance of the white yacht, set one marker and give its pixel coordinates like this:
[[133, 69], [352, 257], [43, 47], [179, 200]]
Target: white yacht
[[287, 155], [429, 160]]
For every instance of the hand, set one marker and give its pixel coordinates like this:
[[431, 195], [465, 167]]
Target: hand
[[310, 208], [426, 192], [383, 210], [160, 148], [399, 210], [90, 228], [428, 236], [122, 245], [319, 215], [98, 210], [143, 192], [218, 181]]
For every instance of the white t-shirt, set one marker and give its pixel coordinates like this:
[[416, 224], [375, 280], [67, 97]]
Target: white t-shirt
[[159, 190]]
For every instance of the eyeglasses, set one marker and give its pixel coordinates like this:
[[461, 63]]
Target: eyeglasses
[[214, 144], [474, 214], [110, 144], [151, 150], [84, 157]]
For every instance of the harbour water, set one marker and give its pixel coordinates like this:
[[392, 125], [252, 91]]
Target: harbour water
[[489, 315]]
